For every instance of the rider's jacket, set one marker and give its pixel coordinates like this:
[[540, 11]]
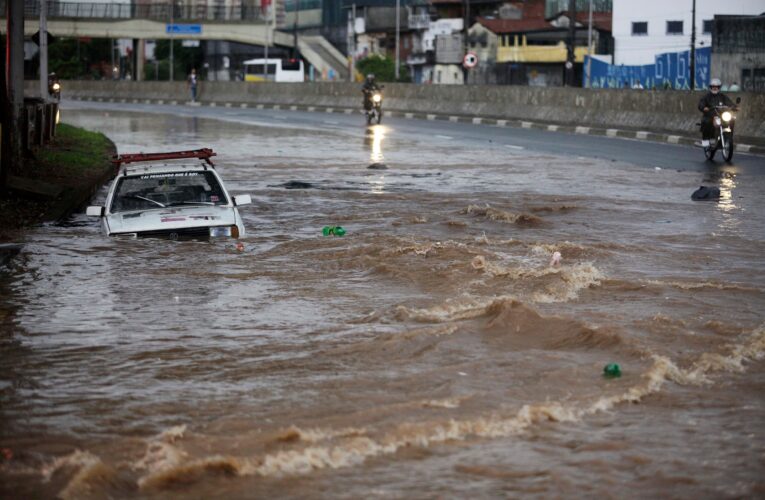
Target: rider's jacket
[[711, 100], [369, 87]]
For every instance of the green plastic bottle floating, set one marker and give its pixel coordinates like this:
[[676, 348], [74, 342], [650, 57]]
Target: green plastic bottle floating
[[612, 370], [333, 231]]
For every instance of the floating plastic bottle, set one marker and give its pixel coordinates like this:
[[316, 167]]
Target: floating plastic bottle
[[333, 231], [612, 370]]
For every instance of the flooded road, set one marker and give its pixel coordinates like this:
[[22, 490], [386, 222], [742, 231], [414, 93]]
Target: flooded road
[[431, 352]]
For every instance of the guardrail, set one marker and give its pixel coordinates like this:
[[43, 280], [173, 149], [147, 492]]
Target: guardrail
[[136, 10]]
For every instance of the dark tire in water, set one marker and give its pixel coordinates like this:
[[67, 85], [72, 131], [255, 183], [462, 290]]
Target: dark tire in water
[[728, 149]]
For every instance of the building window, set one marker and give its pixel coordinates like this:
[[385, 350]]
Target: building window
[[640, 29], [708, 25], [674, 27]]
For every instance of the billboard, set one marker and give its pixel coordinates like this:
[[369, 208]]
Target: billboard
[[669, 70]]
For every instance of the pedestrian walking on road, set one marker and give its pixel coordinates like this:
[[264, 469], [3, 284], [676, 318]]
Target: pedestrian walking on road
[[192, 83]]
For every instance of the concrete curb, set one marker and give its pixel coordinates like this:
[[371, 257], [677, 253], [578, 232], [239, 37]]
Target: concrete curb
[[475, 120]]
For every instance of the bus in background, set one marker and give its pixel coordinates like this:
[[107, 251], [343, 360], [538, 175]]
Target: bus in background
[[277, 70]]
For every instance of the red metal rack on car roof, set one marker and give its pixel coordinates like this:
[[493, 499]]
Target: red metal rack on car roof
[[202, 154]]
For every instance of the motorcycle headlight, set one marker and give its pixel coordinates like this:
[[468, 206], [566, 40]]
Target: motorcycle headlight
[[377, 98], [717, 121], [726, 116]]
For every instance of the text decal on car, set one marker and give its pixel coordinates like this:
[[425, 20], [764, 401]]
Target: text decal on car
[[171, 174]]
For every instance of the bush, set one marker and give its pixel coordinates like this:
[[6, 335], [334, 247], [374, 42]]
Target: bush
[[383, 68]]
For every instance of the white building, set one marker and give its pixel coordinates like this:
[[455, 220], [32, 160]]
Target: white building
[[644, 28]]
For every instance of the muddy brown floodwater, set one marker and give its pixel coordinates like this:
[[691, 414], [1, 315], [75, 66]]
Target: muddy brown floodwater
[[431, 352]]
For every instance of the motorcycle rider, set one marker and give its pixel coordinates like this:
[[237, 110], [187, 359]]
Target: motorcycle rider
[[707, 106], [368, 89]]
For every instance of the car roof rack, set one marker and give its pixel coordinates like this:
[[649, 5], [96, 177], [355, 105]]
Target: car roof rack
[[202, 154]]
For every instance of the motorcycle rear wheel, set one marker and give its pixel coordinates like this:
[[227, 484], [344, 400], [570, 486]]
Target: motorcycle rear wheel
[[728, 149]]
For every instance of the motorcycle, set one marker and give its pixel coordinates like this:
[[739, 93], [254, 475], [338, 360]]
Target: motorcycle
[[724, 120], [374, 112]]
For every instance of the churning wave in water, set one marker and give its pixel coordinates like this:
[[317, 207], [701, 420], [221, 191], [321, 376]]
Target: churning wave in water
[[166, 463]]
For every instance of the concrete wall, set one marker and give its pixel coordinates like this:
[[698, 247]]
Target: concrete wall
[[660, 111]]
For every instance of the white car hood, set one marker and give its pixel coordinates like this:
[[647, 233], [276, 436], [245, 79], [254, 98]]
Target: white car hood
[[170, 218]]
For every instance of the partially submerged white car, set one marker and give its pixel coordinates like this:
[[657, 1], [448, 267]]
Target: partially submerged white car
[[173, 197]]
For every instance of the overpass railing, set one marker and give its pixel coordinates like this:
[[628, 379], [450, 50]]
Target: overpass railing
[[140, 9]]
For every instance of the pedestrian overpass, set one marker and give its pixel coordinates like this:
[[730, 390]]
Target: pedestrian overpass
[[138, 20]]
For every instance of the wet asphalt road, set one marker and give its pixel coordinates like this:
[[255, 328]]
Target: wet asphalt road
[[516, 140]]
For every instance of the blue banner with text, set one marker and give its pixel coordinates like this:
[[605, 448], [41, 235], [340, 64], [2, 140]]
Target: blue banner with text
[[669, 70]]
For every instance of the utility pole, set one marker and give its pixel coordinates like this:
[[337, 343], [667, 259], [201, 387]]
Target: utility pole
[[570, 57], [268, 42], [295, 29], [351, 42], [14, 83], [398, 21], [466, 45], [172, 28], [43, 49], [589, 49], [693, 46]]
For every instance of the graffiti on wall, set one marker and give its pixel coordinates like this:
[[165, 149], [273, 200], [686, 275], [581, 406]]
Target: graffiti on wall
[[669, 70]]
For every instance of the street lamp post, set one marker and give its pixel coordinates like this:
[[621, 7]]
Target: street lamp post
[[43, 50], [693, 46], [398, 2], [172, 27], [589, 49]]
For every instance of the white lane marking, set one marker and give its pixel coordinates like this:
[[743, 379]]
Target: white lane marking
[[612, 132], [447, 137], [513, 146], [330, 122], [477, 121], [278, 117]]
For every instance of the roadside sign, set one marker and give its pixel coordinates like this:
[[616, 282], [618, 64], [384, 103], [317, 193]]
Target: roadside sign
[[183, 29], [470, 60]]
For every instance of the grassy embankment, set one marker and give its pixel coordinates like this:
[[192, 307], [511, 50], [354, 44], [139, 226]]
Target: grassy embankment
[[57, 179]]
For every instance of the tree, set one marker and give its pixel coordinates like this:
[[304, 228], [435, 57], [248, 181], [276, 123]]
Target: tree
[[384, 68]]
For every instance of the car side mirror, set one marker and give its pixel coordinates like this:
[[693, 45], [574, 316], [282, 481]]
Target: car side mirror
[[738, 100], [242, 199], [95, 211]]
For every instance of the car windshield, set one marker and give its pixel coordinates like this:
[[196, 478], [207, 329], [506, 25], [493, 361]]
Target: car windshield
[[141, 192]]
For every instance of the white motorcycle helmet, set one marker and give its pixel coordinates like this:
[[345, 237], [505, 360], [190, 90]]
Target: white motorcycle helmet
[[714, 85]]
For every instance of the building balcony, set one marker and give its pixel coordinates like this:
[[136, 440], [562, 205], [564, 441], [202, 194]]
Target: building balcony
[[419, 21], [538, 53]]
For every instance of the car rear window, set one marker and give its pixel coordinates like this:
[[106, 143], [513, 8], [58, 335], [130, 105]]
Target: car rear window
[[144, 191]]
